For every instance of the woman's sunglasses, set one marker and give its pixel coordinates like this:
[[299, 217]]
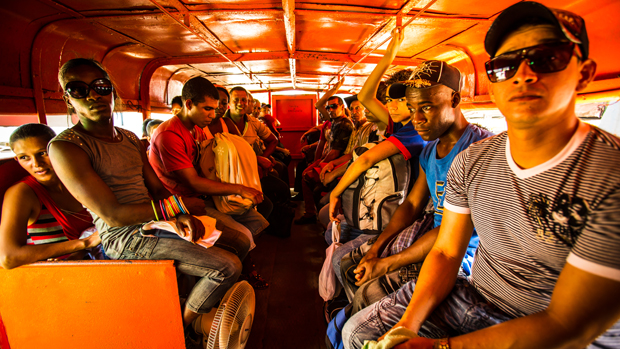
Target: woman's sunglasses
[[542, 59], [80, 89]]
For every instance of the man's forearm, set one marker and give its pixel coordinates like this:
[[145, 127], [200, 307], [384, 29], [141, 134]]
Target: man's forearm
[[435, 282], [415, 253], [403, 217]]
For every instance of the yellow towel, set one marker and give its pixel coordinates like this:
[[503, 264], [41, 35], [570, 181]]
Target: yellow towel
[[392, 338]]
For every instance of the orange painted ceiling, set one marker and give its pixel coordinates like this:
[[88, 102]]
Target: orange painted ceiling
[[151, 47]]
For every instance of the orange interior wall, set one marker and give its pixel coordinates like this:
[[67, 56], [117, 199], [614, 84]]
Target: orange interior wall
[[92, 304]]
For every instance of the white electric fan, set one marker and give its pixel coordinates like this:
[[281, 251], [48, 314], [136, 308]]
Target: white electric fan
[[232, 322]]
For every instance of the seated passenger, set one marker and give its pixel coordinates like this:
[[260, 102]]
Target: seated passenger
[[262, 141], [106, 169], [40, 218], [404, 139], [152, 125], [435, 102], [331, 146], [545, 200], [176, 105], [174, 154]]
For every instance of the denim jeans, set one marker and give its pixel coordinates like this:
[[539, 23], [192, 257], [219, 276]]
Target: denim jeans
[[464, 310], [218, 267], [250, 223], [341, 254]]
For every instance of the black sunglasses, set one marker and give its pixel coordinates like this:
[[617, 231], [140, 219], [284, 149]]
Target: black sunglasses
[[542, 59], [332, 106], [80, 89]]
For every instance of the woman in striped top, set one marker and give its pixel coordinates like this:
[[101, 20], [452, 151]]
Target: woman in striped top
[[40, 218]]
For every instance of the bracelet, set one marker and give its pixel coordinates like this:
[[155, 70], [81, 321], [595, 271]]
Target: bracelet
[[154, 210], [443, 343], [170, 207], [163, 211]]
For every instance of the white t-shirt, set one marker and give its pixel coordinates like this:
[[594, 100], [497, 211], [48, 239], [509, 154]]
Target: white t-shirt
[[532, 221]]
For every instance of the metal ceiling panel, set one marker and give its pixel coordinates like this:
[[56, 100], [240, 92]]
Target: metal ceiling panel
[[248, 32], [323, 32], [471, 7], [385, 4], [91, 5], [160, 32]]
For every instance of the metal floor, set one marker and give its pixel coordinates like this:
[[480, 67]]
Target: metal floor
[[289, 314]]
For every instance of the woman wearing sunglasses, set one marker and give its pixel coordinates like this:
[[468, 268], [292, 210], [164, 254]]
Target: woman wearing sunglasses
[[106, 169], [40, 218]]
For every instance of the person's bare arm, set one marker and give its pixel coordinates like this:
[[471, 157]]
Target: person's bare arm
[[18, 206], [583, 306], [152, 182], [271, 143], [405, 215], [440, 269], [372, 268], [367, 95], [320, 104], [201, 185], [381, 151], [73, 167]]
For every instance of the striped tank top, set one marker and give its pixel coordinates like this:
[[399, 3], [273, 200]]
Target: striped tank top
[[45, 229]]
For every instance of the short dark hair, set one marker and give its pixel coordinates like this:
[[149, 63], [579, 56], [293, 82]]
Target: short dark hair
[[145, 123], [399, 76], [31, 130], [223, 89], [240, 88], [177, 100], [340, 102], [152, 123], [196, 89]]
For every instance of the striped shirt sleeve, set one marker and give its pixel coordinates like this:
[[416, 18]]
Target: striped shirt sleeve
[[596, 250], [456, 190]]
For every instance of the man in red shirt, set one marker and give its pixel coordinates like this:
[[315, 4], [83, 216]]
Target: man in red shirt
[[174, 154]]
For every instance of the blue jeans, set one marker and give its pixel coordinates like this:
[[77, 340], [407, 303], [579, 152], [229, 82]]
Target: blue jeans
[[464, 310], [343, 251], [250, 223], [218, 267]]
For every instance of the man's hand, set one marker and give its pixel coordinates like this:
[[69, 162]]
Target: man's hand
[[286, 152], [327, 169], [194, 205], [398, 34], [370, 269], [335, 208], [188, 224], [250, 193], [329, 178], [264, 163], [92, 241], [417, 343]]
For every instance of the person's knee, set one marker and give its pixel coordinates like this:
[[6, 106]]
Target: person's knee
[[350, 335]]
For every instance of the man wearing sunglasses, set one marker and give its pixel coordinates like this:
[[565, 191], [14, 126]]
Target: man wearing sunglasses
[[545, 199], [332, 145]]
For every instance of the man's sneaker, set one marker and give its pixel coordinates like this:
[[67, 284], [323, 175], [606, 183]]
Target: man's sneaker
[[305, 220], [298, 197]]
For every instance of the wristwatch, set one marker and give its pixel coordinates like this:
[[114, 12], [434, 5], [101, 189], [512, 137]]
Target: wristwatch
[[443, 343]]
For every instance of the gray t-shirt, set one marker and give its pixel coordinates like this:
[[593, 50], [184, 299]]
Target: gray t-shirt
[[120, 166]]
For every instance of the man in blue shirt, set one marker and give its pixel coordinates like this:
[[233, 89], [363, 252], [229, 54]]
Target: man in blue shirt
[[433, 97]]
